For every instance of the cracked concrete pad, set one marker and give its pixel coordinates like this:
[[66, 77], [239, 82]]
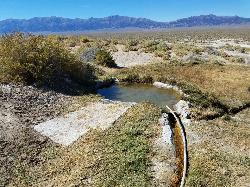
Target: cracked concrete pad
[[67, 129], [163, 162], [167, 134]]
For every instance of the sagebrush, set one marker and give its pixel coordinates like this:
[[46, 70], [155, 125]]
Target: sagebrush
[[41, 60]]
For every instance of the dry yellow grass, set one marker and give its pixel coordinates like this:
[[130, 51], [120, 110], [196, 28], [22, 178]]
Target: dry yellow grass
[[229, 83], [219, 152]]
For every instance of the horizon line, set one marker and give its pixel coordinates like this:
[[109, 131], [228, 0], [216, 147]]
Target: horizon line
[[119, 16]]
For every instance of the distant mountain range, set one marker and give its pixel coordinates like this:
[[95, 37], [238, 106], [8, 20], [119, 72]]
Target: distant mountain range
[[59, 24]]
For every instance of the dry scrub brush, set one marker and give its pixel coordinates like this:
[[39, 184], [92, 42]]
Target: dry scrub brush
[[33, 59]]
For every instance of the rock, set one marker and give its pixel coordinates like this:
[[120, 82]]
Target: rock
[[195, 58], [89, 54], [182, 108], [162, 85], [168, 86], [6, 89], [188, 58]]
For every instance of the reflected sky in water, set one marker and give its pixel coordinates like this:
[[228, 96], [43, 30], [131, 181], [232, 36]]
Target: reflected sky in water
[[140, 93]]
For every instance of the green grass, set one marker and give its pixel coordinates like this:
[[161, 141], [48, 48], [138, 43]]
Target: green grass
[[181, 49], [127, 149]]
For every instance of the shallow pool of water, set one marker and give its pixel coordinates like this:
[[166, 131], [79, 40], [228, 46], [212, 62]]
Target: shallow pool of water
[[139, 93]]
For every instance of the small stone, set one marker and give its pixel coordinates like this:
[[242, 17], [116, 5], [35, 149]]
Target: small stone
[[182, 108]]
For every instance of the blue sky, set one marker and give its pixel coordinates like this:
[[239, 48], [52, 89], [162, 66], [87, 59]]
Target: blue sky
[[161, 10]]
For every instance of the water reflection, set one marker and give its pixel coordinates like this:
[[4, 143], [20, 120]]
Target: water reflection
[[139, 93]]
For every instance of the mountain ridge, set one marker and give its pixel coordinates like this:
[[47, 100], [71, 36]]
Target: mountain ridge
[[61, 24]]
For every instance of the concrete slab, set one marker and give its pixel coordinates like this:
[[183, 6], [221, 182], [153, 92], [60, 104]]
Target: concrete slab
[[67, 129]]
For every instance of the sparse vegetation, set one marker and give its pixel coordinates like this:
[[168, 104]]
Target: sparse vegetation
[[198, 61], [131, 45]]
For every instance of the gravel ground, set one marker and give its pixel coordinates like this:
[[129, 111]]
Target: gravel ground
[[20, 109], [132, 58], [223, 42]]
